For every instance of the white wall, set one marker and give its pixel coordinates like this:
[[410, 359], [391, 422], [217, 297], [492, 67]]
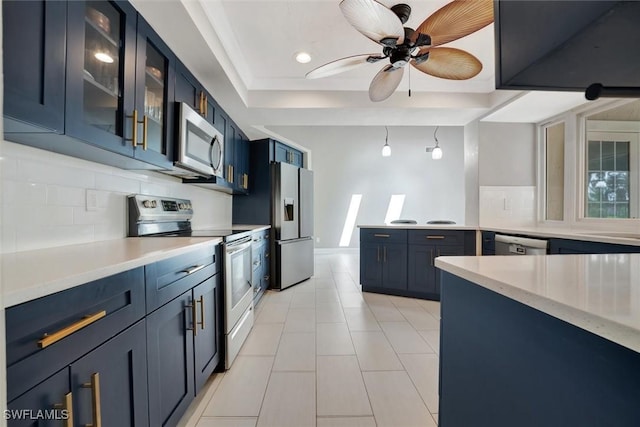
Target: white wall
[[44, 199], [507, 174], [348, 160]]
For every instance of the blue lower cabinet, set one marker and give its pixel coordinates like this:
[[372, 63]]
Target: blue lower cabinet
[[110, 382], [383, 260], [566, 246], [170, 364], [208, 339], [52, 394]]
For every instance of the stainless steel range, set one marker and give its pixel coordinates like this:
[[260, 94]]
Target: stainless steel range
[[151, 216]]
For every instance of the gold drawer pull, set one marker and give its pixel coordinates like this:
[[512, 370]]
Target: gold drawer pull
[[435, 237], [201, 303], [381, 235], [67, 406], [193, 269], [94, 385], [47, 339]]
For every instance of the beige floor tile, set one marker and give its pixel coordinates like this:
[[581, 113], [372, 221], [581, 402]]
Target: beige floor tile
[[432, 338], [403, 301], [395, 401], [377, 299], [327, 297], [277, 297], [297, 352], [374, 352], [361, 319], [346, 422], [329, 313], [435, 417], [306, 286], [242, 389], [432, 307], [419, 318], [347, 287], [325, 283], [262, 340], [386, 313], [290, 400], [352, 299], [340, 387], [227, 422], [333, 339], [423, 371], [303, 299], [405, 339], [272, 313], [300, 320]]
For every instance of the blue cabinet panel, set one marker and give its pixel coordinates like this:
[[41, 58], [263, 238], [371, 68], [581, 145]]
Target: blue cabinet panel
[[34, 41], [285, 154], [565, 246]]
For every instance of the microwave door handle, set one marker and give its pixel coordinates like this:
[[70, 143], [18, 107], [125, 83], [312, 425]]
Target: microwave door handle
[[212, 145]]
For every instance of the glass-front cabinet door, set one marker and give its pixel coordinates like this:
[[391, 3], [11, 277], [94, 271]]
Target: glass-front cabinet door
[[100, 74], [155, 85]]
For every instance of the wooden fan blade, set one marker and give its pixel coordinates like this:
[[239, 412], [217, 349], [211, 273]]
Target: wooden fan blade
[[385, 83], [457, 19], [340, 66], [449, 63], [374, 20]]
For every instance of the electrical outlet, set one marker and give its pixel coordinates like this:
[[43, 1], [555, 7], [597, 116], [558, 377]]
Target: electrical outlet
[[507, 204], [92, 200]]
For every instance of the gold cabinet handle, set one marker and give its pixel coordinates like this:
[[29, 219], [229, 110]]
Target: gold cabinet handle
[[206, 105], [382, 235], [145, 123], [194, 321], [134, 131], [233, 178], [201, 303], [435, 237], [67, 406], [193, 269], [201, 106], [47, 339], [94, 385]]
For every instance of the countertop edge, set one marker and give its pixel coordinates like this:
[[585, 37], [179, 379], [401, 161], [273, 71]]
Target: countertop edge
[[621, 334], [31, 290]]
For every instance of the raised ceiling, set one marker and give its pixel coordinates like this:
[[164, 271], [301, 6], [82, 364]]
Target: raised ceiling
[[243, 51]]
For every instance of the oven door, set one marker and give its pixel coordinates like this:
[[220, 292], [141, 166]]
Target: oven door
[[200, 146], [238, 288]]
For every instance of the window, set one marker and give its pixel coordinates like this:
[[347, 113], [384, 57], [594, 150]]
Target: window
[[610, 179]]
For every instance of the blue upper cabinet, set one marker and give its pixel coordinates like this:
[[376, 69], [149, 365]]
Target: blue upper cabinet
[[285, 154], [120, 78], [101, 65], [34, 40]]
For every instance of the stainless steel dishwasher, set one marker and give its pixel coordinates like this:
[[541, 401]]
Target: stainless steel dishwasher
[[512, 245]]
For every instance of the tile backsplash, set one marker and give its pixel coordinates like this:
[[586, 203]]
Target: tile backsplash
[[44, 199], [504, 206]]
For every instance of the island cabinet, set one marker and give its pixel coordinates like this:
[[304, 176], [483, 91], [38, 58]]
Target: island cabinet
[[567, 246], [488, 243], [383, 262], [401, 261]]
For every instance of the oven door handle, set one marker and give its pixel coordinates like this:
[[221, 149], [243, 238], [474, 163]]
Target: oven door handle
[[233, 249]]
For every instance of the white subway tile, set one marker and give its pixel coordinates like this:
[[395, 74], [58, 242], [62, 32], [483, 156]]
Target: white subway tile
[[20, 193], [65, 196], [45, 237], [116, 183]]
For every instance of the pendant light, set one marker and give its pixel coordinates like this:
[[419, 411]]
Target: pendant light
[[386, 149], [436, 152]]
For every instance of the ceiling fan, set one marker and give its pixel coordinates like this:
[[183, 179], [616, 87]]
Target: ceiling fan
[[404, 45]]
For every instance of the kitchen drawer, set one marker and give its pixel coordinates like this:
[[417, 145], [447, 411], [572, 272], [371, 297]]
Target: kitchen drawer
[[439, 237], [170, 278], [383, 235], [260, 236], [488, 243], [94, 312]]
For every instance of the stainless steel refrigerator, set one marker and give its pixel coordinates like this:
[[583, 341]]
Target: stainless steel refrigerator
[[292, 204]]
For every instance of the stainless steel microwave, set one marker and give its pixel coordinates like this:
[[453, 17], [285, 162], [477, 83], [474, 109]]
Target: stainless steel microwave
[[200, 145]]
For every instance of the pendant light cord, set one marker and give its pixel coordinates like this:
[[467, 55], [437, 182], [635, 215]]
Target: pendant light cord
[[434, 135]]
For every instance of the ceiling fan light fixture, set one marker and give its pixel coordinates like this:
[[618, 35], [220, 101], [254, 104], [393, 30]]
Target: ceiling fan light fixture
[[303, 57]]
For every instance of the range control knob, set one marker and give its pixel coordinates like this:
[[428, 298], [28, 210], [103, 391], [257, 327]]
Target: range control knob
[[147, 203], [154, 203]]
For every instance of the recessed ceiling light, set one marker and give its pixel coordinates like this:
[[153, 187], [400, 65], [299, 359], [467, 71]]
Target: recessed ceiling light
[[104, 57], [303, 57]]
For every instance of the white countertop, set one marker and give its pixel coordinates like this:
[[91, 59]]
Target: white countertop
[[250, 227], [598, 293], [33, 274], [423, 226]]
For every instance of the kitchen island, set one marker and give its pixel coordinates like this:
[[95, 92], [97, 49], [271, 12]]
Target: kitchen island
[[540, 341]]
